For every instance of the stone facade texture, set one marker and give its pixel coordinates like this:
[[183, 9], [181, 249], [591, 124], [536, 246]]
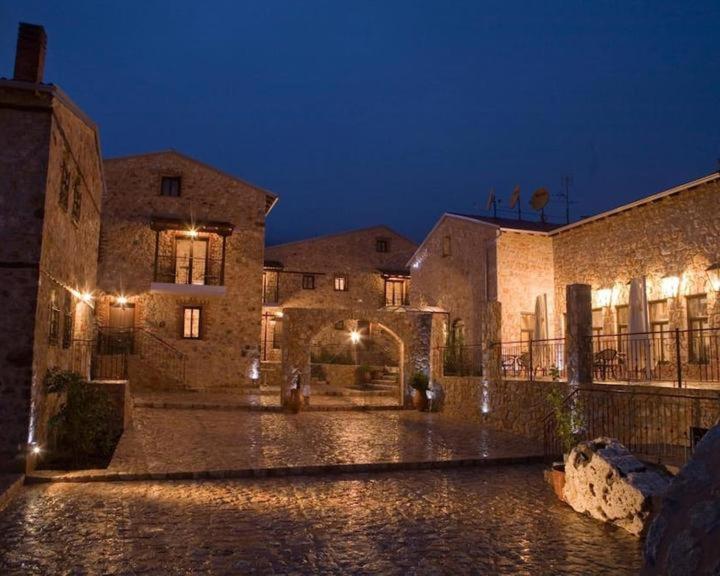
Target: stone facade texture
[[50, 208], [227, 352], [677, 235]]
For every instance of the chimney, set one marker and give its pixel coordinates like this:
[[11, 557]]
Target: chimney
[[30, 53]]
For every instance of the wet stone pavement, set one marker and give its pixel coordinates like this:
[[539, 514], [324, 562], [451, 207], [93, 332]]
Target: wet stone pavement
[[176, 440], [501, 520]]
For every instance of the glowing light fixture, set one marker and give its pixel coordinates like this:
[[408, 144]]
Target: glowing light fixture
[[713, 273], [193, 233], [121, 300], [355, 336], [670, 285], [603, 297], [279, 314], [35, 449], [86, 297]]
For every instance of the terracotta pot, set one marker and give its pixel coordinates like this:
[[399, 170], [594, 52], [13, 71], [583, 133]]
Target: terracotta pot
[[294, 402], [556, 478], [420, 400]]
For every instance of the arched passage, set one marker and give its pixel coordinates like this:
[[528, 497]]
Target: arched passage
[[411, 331]]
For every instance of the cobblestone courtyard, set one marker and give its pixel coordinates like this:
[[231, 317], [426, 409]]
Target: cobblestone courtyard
[[501, 520], [170, 440]]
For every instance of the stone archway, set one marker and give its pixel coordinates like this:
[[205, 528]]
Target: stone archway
[[412, 330]]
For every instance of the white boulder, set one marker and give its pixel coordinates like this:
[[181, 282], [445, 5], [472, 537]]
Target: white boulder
[[603, 479]]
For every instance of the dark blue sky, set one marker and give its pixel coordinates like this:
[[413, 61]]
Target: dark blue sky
[[365, 112]]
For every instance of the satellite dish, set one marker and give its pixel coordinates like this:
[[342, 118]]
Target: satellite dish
[[514, 197], [539, 198], [490, 200]]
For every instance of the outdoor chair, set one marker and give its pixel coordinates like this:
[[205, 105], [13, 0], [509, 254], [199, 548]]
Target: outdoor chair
[[523, 363], [508, 362], [604, 362]]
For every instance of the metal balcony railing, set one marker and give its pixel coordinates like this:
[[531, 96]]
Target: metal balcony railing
[[186, 270]]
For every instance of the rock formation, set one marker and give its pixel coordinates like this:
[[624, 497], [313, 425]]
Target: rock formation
[[603, 479], [684, 538]]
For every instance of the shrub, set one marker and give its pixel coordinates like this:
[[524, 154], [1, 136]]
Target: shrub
[[569, 420], [85, 427], [420, 381]]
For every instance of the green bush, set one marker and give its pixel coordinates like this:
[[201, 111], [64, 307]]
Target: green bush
[[569, 419], [85, 428]]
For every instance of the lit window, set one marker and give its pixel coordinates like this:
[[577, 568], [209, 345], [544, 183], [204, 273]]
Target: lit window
[[446, 246], [191, 322], [340, 283], [382, 245], [170, 186], [308, 282], [697, 324]]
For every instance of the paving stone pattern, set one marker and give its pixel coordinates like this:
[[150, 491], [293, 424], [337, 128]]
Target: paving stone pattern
[[169, 440], [501, 520]]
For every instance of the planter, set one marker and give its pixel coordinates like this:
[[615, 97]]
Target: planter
[[420, 401], [294, 401], [556, 478]]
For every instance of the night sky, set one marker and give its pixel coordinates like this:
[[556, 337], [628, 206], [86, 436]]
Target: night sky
[[365, 112]]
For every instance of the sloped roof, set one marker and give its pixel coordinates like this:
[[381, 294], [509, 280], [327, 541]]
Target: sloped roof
[[271, 198], [344, 233], [512, 223]]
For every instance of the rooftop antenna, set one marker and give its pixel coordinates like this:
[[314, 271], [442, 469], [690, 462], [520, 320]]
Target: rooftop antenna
[[566, 182], [539, 200], [515, 201], [492, 202]]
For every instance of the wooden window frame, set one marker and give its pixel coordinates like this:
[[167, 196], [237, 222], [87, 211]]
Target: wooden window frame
[[446, 246], [382, 245], [170, 180], [342, 280], [201, 323], [696, 356], [308, 282]]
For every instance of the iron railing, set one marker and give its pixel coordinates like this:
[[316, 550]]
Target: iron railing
[[533, 359], [170, 361], [186, 270], [677, 356], [656, 425]]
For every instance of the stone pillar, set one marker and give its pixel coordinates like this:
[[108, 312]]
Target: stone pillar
[[578, 334]]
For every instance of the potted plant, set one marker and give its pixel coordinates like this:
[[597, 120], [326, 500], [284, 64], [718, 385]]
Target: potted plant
[[420, 384], [568, 427]]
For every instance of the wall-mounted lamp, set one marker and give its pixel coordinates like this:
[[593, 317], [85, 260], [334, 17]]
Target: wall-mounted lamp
[[355, 336], [121, 301], [670, 286], [279, 314], [603, 297], [713, 273], [193, 233]]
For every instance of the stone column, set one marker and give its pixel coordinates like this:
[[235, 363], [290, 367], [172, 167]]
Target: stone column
[[578, 334]]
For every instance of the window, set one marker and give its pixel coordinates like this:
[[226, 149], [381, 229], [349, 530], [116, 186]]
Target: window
[[659, 326], [67, 322], [191, 322], [622, 316], [191, 260], [77, 200], [54, 329], [64, 187], [395, 292], [597, 328], [446, 246], [341, 283], [340, 325], [382, 245], [697, 322], [308, 282], [170, 186], [276, 333]]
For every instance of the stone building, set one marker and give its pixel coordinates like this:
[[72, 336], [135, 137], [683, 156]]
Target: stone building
[[360, 271], [51, 185], [670, 241], [181, 269]]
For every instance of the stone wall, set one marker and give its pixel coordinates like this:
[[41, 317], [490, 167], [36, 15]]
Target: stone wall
[[457, 282], [512, 405], [351, 253], [524, 272], [673, 236], [51, 195], [227, 352]]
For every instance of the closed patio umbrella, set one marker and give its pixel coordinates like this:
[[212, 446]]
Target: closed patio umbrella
[[540, 331], [639, 348]]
